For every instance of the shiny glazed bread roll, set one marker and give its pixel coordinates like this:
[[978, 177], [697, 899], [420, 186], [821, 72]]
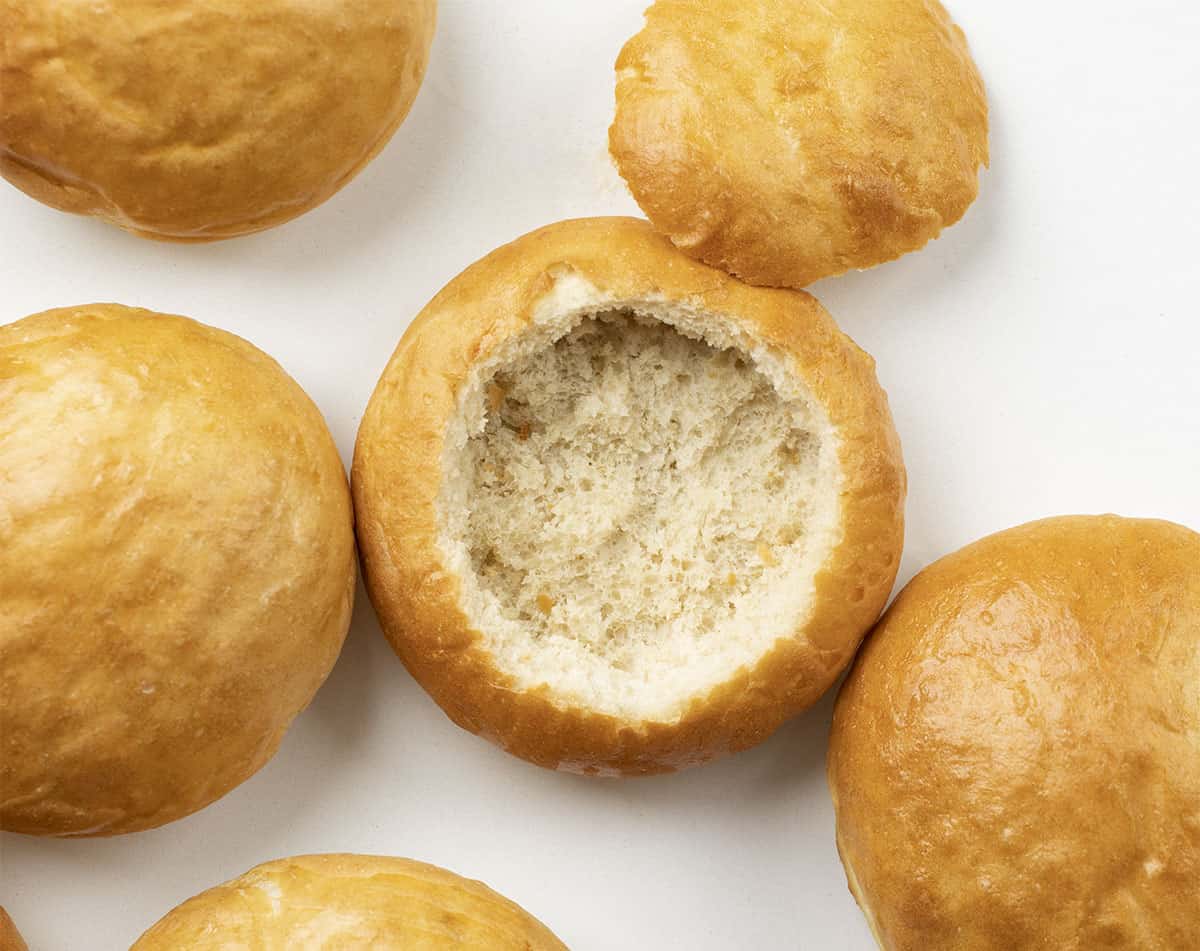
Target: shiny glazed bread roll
[[790, 140], [327, 902], [176, 566], [1015, 759], [619, 512], [10, 938], [190, 120]]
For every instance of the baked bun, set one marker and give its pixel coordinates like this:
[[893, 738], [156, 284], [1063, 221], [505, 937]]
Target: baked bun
[[1015, 759], [619, 512], [192, 121], [349, 901], [10, 938], [790, 140], [176, 566]]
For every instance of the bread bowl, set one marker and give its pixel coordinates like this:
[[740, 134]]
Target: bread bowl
[[176, 566], [349, 901], [193, 121], [620, 513], [791, 140], [1015, 756], [10, 938]]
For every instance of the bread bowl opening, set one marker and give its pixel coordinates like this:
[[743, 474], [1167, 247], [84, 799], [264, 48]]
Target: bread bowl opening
[[637, 500]]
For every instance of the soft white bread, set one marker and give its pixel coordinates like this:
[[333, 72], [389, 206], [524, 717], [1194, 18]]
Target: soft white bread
[[176, 566], [1015, 758], [329, 902], [619, 512], [10, 938], [790, 140], [202, 119]]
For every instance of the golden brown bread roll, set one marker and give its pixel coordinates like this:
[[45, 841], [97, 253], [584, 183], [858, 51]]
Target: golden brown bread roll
[[10, 938], [1015, 759], [348, 901], [619, 512], [176, 566], [191, 121], [790, 140]]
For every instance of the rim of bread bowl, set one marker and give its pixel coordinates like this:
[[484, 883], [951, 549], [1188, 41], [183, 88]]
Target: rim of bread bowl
[[397, 477]]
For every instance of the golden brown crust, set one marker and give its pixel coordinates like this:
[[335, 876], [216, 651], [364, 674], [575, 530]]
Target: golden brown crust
[[119, 115], [790, 140], [10, 938], [176, 566], [1015, 758], [397, 475], [349, 901]]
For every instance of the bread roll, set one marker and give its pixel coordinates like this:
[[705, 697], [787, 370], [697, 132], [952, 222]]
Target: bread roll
[[620, 513], [349, 901], [1015, 758], [192, 121], [10, 938], [790, 140], [176, 566]]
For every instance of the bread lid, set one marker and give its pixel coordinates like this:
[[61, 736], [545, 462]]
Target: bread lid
[[350, 901], [790, 140], [619, 512], [1015, 756]]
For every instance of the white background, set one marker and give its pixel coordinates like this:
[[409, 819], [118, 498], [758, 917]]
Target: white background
[[1043, 357]]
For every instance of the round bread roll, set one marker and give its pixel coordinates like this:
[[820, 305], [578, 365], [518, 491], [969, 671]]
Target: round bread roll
[[349, 901], [176, 566], [10, 938], [1015, 759], [620, 513], [193, 121], [790, 140]]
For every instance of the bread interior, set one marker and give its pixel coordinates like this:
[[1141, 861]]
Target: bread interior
[[637, 499]]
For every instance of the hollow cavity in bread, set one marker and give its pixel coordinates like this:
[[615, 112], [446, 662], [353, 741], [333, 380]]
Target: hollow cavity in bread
[[636, 505]]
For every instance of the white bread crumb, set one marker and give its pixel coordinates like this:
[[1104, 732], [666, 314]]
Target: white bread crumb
[[637, 504]]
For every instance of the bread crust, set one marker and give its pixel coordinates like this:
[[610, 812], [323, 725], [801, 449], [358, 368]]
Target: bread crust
[[1014, 758], [345, 901], [397, 475], [177, 566], [790, 140], [122, 116], [10, 938]]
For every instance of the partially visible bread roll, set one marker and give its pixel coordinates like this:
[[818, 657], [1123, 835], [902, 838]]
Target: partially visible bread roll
[[619, 512], [176, 566], [10, 938], [790, 140], [329, 902], [1015, 758], [202, 119]]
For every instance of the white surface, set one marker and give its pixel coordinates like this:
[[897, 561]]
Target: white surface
[[1041, 358]]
